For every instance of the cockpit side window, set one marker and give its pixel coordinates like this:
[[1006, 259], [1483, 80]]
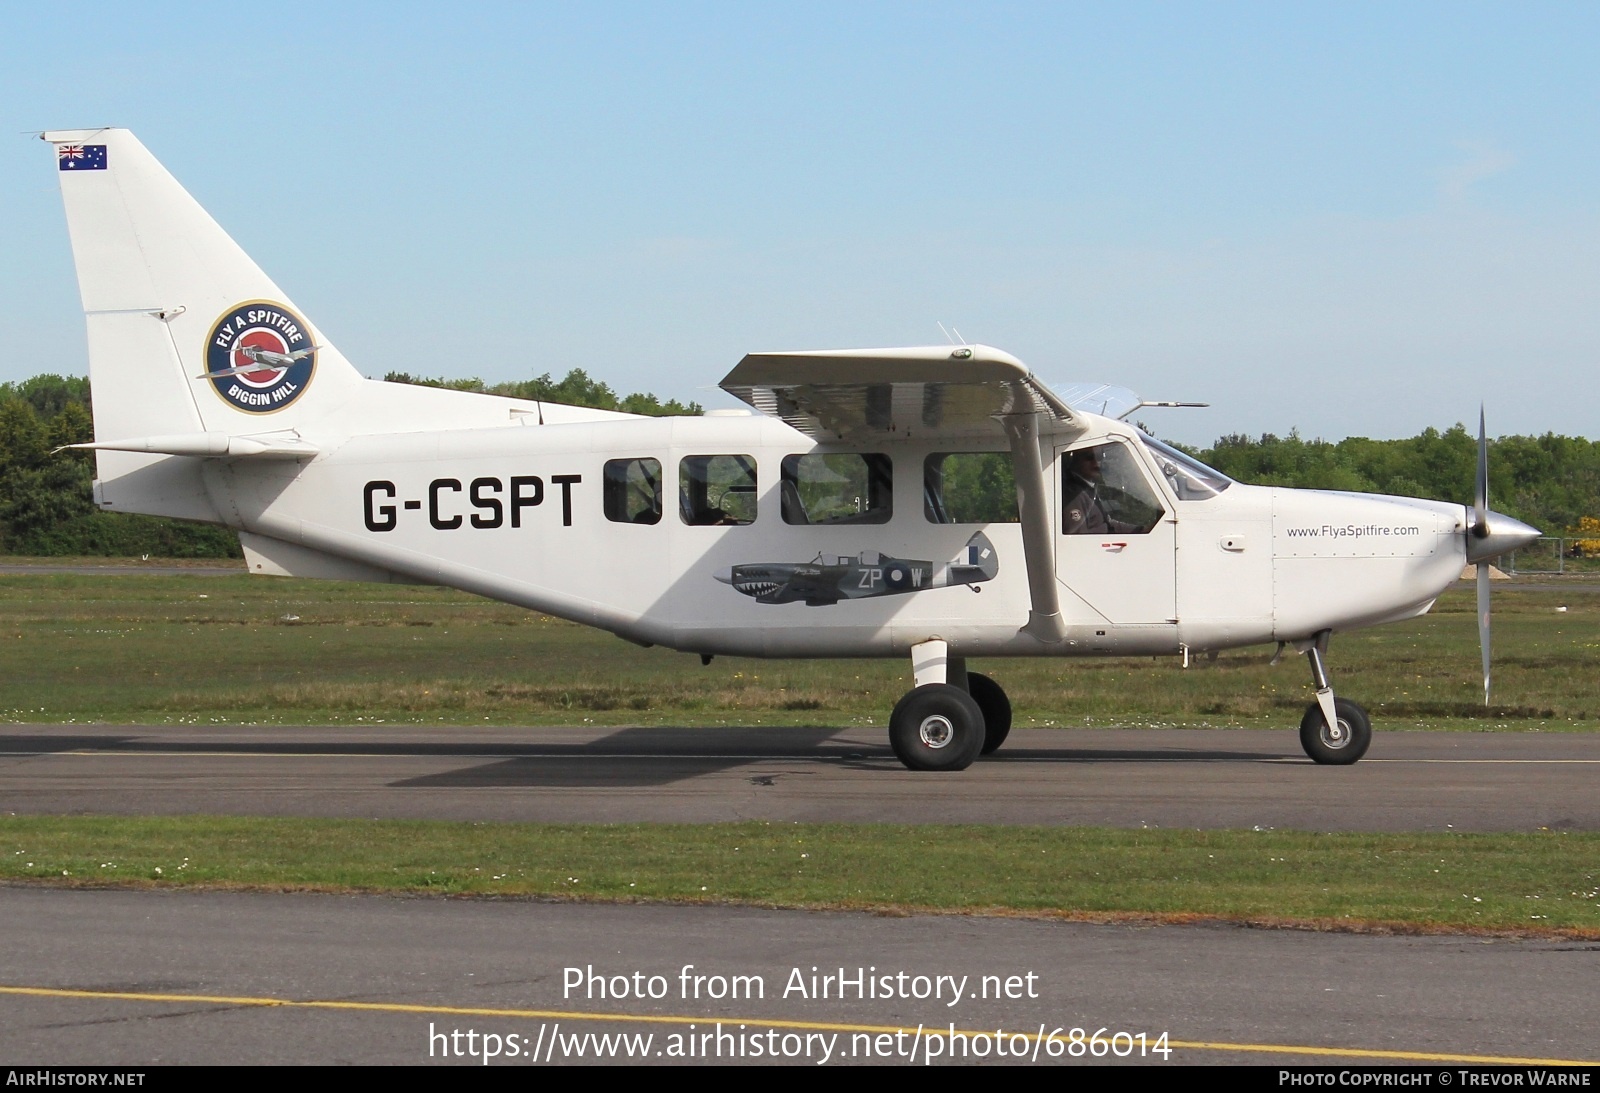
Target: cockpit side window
[[1103, 492]]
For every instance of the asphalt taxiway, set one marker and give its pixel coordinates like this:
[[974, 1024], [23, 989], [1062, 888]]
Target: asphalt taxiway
[[1409, 781], [97, 977], [135, 977]]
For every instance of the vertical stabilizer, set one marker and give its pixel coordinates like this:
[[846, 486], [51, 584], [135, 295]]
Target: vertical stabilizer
[[186, 333]]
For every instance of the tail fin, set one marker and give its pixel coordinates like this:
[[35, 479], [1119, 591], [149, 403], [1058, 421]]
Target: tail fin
[[186, 333]]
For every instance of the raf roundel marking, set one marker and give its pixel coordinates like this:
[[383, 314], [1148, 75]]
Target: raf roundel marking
[[260, 357]]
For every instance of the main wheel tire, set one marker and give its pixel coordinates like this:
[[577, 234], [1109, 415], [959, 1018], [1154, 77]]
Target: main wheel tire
[[1341, 745], [936, 727], [996, 708]]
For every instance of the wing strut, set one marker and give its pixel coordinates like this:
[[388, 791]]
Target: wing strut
[[1033, 507]]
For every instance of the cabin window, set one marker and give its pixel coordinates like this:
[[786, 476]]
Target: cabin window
[[633, 491], [717, 490], [838, 488], [1104, 493], [969, 488]]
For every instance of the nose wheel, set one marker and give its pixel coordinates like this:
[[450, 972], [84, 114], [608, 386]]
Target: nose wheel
[[1335, 731], [1341, 743]]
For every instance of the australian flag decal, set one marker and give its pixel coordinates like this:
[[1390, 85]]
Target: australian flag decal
[[81, 157]]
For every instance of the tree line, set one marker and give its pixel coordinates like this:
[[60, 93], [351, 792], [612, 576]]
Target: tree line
[[1551, 482], [576, 388], [47, 505], [47, 496]]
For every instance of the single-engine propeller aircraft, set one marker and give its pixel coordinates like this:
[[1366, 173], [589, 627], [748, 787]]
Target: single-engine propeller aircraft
[[824, 521]]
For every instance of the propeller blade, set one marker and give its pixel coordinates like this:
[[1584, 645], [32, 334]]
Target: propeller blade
[[1480, 528], [1483, 624], [1480, 488]]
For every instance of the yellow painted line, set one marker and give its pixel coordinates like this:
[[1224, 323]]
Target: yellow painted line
[[763, 1022]]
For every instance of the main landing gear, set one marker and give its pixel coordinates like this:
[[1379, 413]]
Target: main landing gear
[[1334, 730], [951, 717]]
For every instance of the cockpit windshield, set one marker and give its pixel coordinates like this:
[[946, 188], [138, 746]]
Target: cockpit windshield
[[1190, 479]]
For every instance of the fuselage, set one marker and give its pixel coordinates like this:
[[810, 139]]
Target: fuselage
[[627, 523]]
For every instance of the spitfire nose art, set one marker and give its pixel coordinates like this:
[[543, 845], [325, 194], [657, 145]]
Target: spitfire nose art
[[829, 578]]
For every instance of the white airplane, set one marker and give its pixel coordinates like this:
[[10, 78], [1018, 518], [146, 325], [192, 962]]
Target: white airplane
[[839, 516]]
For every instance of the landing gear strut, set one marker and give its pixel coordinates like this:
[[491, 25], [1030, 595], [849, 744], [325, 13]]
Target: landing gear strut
[[951, 716], [1334, 730]]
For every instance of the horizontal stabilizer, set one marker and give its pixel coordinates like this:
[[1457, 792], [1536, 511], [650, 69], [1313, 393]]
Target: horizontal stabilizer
[[210, 446]]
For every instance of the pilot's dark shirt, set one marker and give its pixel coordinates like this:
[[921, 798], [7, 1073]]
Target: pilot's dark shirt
[[1082, 511]]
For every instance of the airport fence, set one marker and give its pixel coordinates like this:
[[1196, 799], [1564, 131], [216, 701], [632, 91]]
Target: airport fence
[[1550, 556]]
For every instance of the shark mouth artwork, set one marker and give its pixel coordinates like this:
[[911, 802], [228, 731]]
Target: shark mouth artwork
[[829, 578]]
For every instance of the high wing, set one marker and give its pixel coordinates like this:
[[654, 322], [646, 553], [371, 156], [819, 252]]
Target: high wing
[[918, 391]]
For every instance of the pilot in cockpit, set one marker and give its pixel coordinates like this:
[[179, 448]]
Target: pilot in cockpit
[[1082, 510]]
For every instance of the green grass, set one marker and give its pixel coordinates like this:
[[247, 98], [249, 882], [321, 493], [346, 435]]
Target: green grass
[[235, 649], [101, 561], [1537, 883], [232, 649]]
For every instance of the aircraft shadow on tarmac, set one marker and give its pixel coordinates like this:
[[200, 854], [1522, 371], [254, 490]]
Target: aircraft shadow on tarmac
[[654, 757], [649, 757], [630, 757]]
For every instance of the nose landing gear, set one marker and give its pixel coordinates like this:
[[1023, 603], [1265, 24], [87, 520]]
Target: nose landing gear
[[1335, 731]]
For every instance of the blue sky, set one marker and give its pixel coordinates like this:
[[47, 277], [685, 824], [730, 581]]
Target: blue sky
[[1347, 218]]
